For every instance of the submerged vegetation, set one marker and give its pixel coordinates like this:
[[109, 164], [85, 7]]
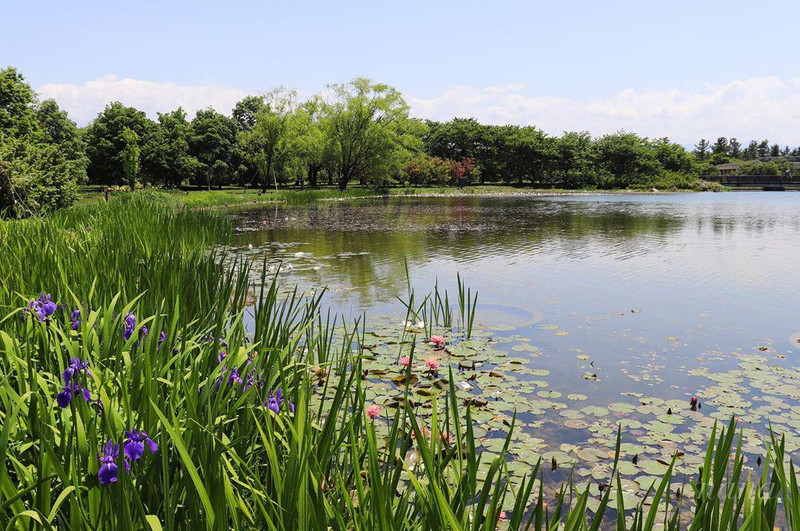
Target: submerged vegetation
[[147, 381]]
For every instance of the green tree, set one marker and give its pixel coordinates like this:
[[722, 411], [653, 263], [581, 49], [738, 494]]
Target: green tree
[[309, 144], [530, 155], [270, 140], [130, 156], [17, 105], [370, 133], [168, 158], [573, 164], [701, 149], [751, 151], [245, 111], [763, 149], [456, 139], [211, 143], [734, 148], [627, 159], [106, 142], [671, 156], [720, 146], [41, 151]]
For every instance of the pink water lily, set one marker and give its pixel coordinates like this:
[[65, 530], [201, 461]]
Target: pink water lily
[[404, 361], [373, 411], [432, 363], [438, 341]]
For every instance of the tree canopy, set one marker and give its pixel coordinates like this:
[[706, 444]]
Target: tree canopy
[[42, 152], [358, 131]]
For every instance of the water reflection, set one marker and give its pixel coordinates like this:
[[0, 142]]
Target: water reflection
[[518, 247]]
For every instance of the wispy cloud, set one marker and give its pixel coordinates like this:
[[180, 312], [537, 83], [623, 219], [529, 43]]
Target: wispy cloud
[[765, 107], [84, 102]]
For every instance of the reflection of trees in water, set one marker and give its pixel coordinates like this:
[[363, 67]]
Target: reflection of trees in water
[[467, 230]]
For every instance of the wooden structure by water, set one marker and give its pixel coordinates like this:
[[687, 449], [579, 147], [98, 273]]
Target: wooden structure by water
[[757, 182]]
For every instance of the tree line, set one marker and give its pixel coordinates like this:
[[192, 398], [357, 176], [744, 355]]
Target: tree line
[[354, 132], [725, 150]]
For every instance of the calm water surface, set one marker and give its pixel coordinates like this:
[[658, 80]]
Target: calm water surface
[[649, 287]]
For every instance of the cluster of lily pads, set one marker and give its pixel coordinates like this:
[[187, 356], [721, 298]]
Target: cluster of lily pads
[[496, 374]]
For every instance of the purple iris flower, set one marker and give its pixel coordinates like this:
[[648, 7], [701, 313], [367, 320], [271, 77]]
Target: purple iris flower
[[129, 326], [143, 333], [74, 377], [209, 338], [43, 307], [108, 469], [161, 338], [253, 379], [134, 445], [75, 317], [276, 400], [64, 397]]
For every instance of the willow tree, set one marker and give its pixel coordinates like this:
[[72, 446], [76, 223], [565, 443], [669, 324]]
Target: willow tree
[[269, 141], [370, 133]]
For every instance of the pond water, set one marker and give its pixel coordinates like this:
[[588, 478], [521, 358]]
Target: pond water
[[635, 301]]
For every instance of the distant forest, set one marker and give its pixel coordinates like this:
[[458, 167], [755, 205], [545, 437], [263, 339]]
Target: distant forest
[[356, 132]]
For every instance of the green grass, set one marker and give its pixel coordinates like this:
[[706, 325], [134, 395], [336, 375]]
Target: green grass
[[239, 196], [225, 461]]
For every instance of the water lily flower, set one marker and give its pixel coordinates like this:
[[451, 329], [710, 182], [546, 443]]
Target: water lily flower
[[373, 411], [133, 446], [404, 361], [411, 327], [276, 400], [432, 363], [108, 470], [438, 341]]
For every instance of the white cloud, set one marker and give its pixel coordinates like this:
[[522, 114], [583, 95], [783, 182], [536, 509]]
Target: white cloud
[[767, 107], [84, 102]]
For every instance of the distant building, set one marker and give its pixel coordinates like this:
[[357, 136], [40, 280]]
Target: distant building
[[728, 169]]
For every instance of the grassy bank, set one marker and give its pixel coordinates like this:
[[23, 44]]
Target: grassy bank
[[240, 196], [270, 426]]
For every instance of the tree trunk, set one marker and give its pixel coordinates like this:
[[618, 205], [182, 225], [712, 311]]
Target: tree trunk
[[344, 178], [312, 176]]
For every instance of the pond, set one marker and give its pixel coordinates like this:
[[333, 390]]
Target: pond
[[623, 306]]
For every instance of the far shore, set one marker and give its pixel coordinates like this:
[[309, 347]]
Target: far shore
[[233, 197]]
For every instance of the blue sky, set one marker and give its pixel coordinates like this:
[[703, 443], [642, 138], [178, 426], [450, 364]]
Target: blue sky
[[662, 68]]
